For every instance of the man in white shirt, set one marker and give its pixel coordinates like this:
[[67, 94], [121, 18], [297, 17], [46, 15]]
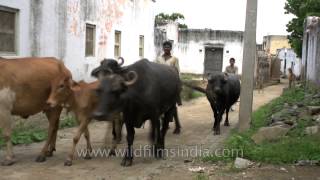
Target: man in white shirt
[[232, 69], [168, 59]]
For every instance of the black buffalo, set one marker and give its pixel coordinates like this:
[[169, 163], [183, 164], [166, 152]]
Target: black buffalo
[[110, 66], [222, 92], [141, 91]]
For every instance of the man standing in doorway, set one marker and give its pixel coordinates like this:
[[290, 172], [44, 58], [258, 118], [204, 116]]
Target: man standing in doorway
[[168, 59]]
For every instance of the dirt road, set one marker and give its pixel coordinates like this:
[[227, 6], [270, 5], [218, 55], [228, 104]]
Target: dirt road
[[196, 119]]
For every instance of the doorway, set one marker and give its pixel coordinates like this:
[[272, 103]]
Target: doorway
[[213, 60]]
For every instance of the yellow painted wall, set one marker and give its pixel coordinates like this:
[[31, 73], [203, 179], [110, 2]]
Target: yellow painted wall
[[276, 42]]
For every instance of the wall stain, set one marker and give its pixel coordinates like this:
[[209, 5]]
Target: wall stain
[[110, 12], [35, 26]]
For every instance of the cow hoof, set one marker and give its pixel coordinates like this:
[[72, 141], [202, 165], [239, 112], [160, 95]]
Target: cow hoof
[[126, 162], [216, 133], [7, 162], [68, 163], [112, 152], [226, 124], [177, 131], [41, 159]]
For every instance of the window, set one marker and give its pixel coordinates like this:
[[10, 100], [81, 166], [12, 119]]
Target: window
[[90, 39], [141, 46], [8, 30], [117, 44]]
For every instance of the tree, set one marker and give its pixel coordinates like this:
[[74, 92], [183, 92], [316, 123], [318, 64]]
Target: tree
[[301, 9], [163, 19]]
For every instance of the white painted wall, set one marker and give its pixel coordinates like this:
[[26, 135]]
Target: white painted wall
[[191, 59], [191, 52], [291, 58], [62, 30], [132, 18], [311, 50]]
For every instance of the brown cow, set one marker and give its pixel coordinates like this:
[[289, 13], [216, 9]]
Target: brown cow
[[81, 99], [24, 89]]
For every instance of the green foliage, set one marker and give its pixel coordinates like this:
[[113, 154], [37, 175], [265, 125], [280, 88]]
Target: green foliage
[[183, 26], [26, 134], [201, 176], [188, 76], [295, 146], [260, 117], [196, 94], [163, 19], [23, 134], [301, 9], [188, 94], [68, 122]]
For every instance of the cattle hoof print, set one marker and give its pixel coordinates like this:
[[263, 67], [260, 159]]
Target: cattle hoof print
[[41, 159], [7, 162], [68, 163]]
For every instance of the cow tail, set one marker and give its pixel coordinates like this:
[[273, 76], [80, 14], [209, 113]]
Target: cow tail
[[195, 87]]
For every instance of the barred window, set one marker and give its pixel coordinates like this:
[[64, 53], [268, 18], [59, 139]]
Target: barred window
[[117, 44], [141, 46], [8, 30], [90, 39]]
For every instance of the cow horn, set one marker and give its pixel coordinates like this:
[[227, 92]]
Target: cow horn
[[95, 72], [133, 80], [121, 61]]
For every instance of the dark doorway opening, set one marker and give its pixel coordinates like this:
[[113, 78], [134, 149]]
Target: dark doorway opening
[[213, 60]]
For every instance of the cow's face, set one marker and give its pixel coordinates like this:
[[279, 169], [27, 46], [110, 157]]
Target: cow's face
[[216, 82], [112, 93], [60, 90]]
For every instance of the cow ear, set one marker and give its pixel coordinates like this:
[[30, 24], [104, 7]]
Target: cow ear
[[75, 87]]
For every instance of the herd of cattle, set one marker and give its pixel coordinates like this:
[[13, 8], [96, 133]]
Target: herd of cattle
[[127, 95]]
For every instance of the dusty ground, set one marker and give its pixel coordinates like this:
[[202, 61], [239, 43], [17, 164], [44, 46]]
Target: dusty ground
[[196, 119]]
